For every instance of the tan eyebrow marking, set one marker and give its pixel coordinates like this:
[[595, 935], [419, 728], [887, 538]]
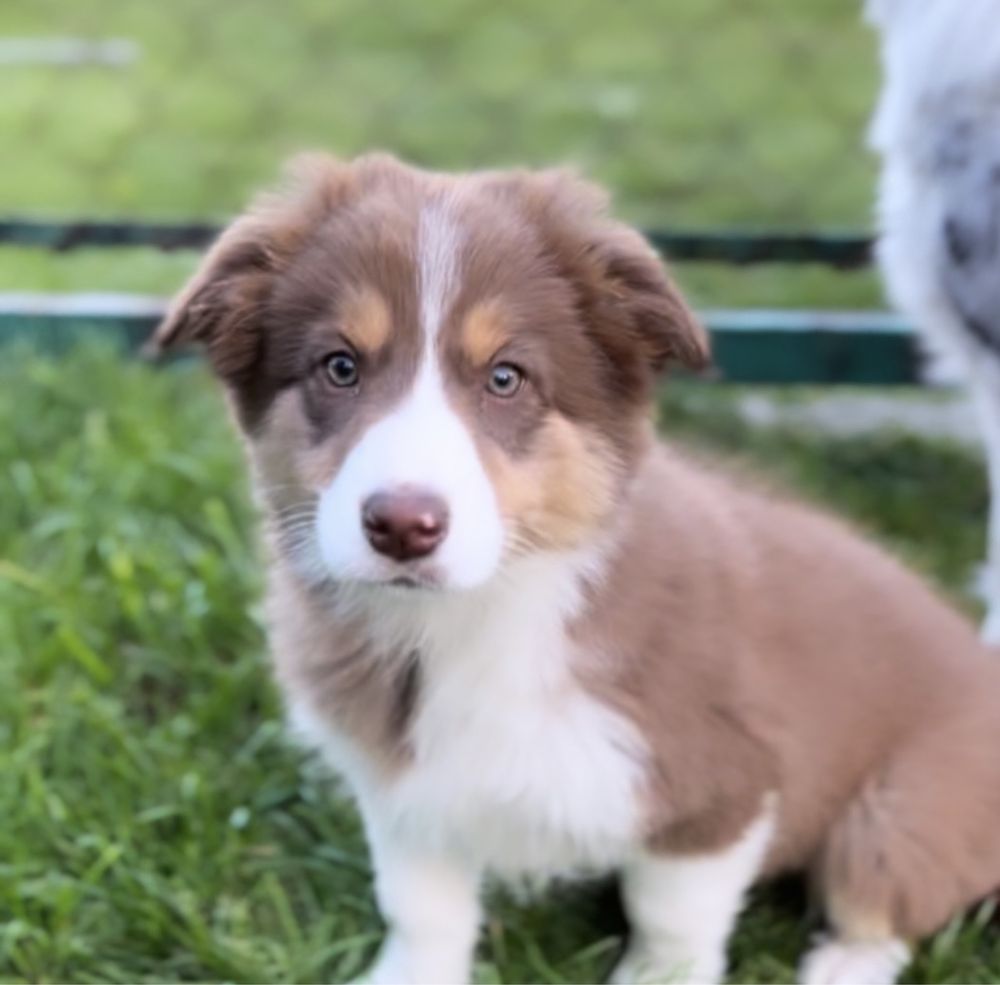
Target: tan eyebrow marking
[[366, 319], [484, 331]]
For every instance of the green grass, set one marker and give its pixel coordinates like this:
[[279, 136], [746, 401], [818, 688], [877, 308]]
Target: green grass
[[156, 824], [694, 112]]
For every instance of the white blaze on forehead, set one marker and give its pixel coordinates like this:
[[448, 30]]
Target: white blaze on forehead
[[422, 443], [438, 244]]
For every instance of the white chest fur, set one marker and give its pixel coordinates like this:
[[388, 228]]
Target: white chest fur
[[514, 763]]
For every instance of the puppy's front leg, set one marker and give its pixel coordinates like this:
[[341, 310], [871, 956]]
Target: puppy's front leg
[[682, 909], [430, 902]]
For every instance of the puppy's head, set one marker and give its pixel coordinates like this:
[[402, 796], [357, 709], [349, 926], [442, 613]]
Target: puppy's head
[[434, 373]]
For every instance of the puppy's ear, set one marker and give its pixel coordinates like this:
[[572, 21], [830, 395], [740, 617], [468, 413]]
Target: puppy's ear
[[221, 305], [216, 307], [631, 306], [638, 296]]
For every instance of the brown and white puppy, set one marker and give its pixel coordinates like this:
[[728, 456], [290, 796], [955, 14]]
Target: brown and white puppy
[[536, 641]]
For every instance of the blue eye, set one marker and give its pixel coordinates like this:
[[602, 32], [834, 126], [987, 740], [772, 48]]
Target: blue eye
[[505, 380], [342, 368]]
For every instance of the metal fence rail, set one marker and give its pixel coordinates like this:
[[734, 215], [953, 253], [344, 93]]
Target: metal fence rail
[[749, 346]]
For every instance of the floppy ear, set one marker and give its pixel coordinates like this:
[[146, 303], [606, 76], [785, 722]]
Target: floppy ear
[[220, 307], [638, 292], [626, 298], [216, 307]]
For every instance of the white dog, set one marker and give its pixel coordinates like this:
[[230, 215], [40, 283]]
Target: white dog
[[937, 128]]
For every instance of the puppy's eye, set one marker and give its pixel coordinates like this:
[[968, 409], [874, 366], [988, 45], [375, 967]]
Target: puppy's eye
[[342, 368], [505, 380]]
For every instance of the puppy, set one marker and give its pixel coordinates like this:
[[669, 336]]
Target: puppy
[[536, 641]]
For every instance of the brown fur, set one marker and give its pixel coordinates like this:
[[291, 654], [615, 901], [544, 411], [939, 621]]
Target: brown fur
[[758, 646], [763, 646], [370, 694], [484, 332], [563, 489], [366, 319]]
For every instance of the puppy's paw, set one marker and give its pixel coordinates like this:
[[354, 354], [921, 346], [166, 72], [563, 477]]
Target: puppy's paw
[[641, 966], [400, 965], [836, 962]]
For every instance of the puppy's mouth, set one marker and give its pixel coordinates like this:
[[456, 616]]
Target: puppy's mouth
[[405, 581], [423, 578]]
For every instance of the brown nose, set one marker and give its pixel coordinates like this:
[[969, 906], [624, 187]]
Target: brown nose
[[405, 524]]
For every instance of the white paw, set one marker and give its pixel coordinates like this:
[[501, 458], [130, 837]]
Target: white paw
[[641, 966], [385, 973], [399, 965], [854, 963]]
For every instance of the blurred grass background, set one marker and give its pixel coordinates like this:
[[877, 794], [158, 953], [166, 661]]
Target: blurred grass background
[[694, 112], [156, 824]]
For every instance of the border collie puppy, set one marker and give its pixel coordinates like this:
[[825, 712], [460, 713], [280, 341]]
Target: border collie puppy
[[536, 641], [937, 128]]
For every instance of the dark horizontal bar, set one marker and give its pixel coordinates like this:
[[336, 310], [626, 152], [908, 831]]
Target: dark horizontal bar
[[62, 236], [750, 346], [842, 250], [792, 346]]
